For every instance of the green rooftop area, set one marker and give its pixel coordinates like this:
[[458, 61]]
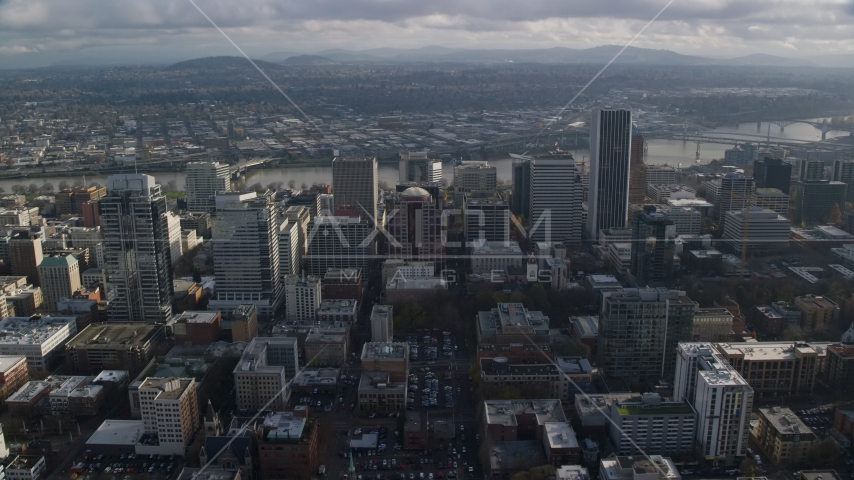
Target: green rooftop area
[[674, 409]]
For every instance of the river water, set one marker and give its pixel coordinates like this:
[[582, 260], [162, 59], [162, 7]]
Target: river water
[[672, 152]]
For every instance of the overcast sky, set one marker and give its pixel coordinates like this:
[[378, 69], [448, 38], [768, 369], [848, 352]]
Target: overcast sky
[[48, 32]]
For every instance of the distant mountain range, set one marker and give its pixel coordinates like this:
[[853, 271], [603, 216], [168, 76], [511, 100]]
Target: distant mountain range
[[557, 55]]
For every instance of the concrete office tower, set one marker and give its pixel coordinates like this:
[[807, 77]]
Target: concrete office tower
[[773, 173], [653, 247], [772, 199], [70, 200], [414, 227], [382, 323], [302, 217], [204, 180], [170, 409], [474, 178], [246, 253], [811, 170], [734, 193], [554, 205], [486, 220], [416, 167], [60, 278], [173, 224], [631, 333], [637, 169], [610, 149], [340, 242], [354, 183], [25, 253], [290, 249], [303, 297], [816, 199], [137, 257], [762, 232]]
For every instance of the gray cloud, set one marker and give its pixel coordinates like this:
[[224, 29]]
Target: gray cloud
[[51, 31]]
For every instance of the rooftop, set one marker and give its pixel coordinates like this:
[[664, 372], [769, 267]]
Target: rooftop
[[117, 432], [171, 388], [9, 361], [283, 425], [784, 421], [33, 330], [111, 376], [28, 391], [651, 404], [337, 307], [385, 351], [400, 283], [503, 412], [497, 248], [195, 316], [560, 435], [773, 351], [115, 335], [587, 326]]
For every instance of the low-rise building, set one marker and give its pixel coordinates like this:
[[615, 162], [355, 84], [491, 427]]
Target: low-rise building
[[649, 424], [338, 310], [636, 467], [777, 368], [380, 392], [817, 312], [401, 290], [244, 323], [13, 374], [543, 380], [839, 371], [86, 401], [287, 446], [512, 323], [711, 324], [620, 257], [39, 338], [197, 327], [783, 436], [327, 345], [389, 357], [25, 398], [585, 330], [26, 467], [115, 346], [495, 256], [415, 434]]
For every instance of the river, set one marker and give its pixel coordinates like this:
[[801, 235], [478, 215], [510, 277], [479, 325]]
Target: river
[[672, 152]]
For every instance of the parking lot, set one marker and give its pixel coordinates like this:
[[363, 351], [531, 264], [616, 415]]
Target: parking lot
[[141, 466]]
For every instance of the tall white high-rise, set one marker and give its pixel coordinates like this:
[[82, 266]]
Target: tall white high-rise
[[555, 197], [722, 398], [354, 183], [246, 253], [303, 297], [610, 149], [137, 256], [204, 180], [60, 278], [169, 408], [290, 248]]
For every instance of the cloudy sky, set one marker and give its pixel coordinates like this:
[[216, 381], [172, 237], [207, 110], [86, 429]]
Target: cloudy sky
[[49, 32]]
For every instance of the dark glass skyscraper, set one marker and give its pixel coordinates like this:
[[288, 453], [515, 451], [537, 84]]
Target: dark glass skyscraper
[[772, 173], [653, 244], [610, 147]]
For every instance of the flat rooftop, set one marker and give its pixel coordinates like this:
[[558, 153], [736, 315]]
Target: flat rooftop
[[497, 248], [28, 391], [9, 361], [196, 316], [587, 326], [114, 335], [33, 330], [338, 307], [503, 412], [385, 351], [284, 425], [560, 435], [784, 421], [117, 432], [773, 351], [117, 376]]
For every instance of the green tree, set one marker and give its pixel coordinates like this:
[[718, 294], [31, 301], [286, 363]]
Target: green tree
[[571, 348], [825, 451], [474, 370], [749, 468], [793, 332]]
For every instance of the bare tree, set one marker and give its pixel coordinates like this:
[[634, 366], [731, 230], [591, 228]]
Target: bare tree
[[47, 187], [63, 185], [292, 183]]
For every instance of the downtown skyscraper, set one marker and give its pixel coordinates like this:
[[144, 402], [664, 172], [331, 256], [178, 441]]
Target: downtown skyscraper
[[246, 253], [137, 256], [610, 148], [354, 184], [204, 180]]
